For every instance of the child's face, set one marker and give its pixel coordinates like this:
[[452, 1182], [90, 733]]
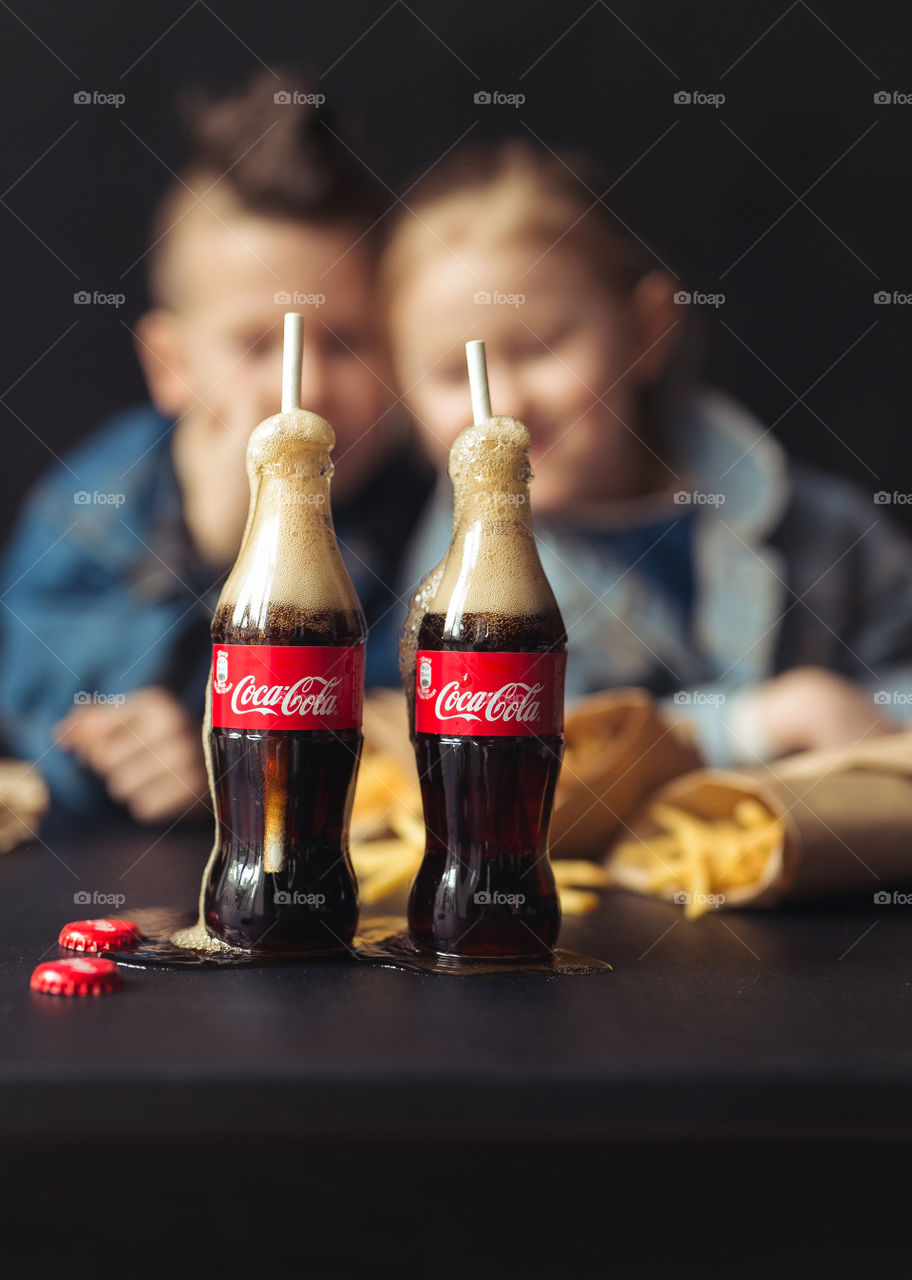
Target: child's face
[[218, 350], [563, 356]]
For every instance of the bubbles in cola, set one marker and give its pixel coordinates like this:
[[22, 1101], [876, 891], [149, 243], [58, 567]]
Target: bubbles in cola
[[283, 719], [482, 658]]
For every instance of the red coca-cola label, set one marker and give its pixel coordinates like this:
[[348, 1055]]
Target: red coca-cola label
[[287, 686], [488, 695]]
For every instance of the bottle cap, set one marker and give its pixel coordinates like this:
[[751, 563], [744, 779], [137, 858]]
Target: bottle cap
[[89, 976], [98, 935]]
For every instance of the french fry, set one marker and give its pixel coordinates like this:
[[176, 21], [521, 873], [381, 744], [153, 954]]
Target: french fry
[[379, 779], [581, 874], [577, 902], [382, 787], [24, 799], [652, 846], [385, 801], [662, 877], [751, 813], [393, 875], [407, 826], [367, 856]]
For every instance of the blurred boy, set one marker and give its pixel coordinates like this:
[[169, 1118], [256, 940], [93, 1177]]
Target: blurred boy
[[116, 565], [766, 601]]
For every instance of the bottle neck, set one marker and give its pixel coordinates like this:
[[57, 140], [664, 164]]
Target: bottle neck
[[493, 563], [283, 508], [289, 567], [290, 497], [489, 514]]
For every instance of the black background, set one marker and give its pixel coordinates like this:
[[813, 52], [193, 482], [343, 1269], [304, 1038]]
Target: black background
[[799, 337]]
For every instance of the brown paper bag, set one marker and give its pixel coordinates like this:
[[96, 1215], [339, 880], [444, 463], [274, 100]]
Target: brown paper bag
[[618, 750], [845, 815]]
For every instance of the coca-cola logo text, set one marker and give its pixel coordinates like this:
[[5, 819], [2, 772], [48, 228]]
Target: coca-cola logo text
[[287, 687], [499, 694], [514, 701], [314, 695]]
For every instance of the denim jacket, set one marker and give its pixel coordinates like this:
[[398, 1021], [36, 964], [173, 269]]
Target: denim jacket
[[790, 567], [103, 592]]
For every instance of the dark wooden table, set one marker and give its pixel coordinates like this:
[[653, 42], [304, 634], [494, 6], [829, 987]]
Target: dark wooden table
[[738, 1069]]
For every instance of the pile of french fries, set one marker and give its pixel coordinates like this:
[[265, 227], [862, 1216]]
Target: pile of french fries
[[387, 839], [697, 861]]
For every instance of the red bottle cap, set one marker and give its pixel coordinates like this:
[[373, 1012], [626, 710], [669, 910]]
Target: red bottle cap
[[98, 935], [89, 976]]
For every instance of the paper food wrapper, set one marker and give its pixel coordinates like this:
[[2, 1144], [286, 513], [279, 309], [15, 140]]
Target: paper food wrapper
[[618, 750], [845, 815]]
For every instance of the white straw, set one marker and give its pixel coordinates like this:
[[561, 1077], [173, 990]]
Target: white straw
[[478, 381], [291, 361]]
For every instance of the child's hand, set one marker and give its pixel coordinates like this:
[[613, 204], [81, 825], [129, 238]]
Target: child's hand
[[148, 751], [809, 708]]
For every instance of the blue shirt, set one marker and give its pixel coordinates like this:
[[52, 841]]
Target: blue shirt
[[662, 552]]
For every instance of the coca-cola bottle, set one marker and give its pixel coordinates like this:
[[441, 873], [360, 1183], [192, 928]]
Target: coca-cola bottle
[[283, 719], [483, 657]]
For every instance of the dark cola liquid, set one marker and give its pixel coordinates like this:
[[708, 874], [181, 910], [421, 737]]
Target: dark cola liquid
[[311, 906], [485, 888]]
